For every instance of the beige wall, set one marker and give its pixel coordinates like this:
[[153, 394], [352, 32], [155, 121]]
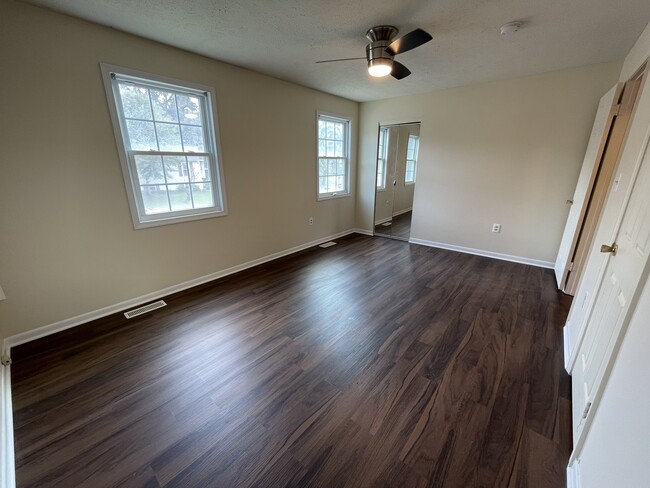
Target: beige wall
[[67, 245], [637, 55], [507, 152]]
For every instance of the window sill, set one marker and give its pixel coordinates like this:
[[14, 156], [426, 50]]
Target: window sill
[[137, 224], [332, 196]]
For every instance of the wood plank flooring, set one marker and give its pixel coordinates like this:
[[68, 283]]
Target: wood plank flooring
[[370, 363]]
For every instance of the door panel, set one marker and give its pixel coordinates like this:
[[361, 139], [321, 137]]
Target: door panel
[[622, 275], [595, 147]]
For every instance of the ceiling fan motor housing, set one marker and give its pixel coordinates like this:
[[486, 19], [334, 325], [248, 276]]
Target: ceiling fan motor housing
[[376, 53], [382, 33], [380, 37]]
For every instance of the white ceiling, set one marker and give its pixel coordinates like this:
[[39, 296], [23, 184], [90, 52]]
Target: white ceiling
[[283, 38]]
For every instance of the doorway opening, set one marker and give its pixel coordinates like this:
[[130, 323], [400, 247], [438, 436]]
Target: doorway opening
[[397, 159]]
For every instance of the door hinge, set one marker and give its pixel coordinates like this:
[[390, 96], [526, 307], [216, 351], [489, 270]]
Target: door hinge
[[570, 268], [5, 360], [586, 410], [616, 109]]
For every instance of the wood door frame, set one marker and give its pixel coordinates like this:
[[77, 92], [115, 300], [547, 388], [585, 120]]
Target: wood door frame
[[614, 136]]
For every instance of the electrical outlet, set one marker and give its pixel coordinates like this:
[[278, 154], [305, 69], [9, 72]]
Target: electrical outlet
[[311, 221], [496, 227]]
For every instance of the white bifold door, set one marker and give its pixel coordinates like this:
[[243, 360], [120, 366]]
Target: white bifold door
[[625, 267]]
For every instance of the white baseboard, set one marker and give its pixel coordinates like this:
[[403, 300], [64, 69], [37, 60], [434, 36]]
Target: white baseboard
[[487, 254], [7, 461], [364, 232], [402, 211], [381, 221], [573, 475], [46, 330]]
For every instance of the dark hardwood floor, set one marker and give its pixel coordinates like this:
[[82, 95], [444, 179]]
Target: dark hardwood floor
[[400, 227], [370, 363]]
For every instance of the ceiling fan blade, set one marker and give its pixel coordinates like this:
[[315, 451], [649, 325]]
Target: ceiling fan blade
[[399, 71], [334, 60], [408, 41]]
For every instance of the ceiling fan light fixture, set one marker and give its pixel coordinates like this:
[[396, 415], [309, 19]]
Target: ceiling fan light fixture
[[380, 67]]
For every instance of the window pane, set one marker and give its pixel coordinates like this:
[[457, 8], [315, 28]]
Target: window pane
[[332, 167], [322, 148], [339, 183], [164, 106], [322, 129], [322, 167], [340, 169], [180, 197], [339, 150], [150, 169], [135, 102], [155, 199], [330, 130], [322, 184], [169, 137], [193, 138], [330, 148], [199, 168], [338, 131], [190, 110], [176, 169], [142, 135], [202, 194], [331, 183]]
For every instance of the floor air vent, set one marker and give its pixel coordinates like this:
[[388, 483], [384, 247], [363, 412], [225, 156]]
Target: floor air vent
[[328, 244], [144, 309]]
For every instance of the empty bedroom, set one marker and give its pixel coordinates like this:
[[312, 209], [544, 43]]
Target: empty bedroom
[[300, 244]]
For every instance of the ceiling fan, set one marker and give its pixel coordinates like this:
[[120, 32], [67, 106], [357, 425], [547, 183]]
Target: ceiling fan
[[384, 47]]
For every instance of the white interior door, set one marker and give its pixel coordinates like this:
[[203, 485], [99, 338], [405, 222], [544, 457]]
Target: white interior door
[[594, 151], [623, 272]]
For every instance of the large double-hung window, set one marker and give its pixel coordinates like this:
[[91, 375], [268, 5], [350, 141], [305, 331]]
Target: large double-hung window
[[168, 145], [333, 156]]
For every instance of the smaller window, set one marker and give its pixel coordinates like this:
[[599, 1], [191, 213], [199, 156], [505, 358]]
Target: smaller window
[[411, 159], [382, 151], [333, 156]]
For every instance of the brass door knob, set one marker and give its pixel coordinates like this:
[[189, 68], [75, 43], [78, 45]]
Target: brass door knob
[[612, 249]]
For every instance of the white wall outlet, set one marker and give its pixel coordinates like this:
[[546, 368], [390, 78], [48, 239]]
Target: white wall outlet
[[311, 221], [496, 227]]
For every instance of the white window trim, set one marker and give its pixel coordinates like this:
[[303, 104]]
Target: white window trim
[[383, 158], [348, 122], [415, 160], [213, 142]]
